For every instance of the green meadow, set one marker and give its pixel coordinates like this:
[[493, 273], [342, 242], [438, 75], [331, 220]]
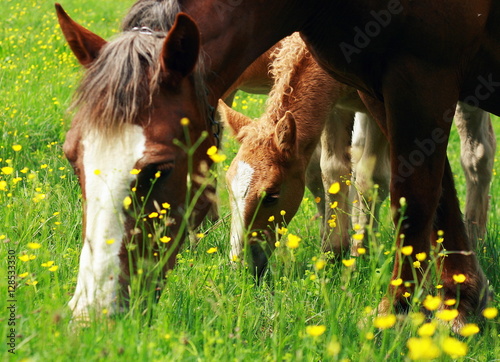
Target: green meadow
[[209, 310]]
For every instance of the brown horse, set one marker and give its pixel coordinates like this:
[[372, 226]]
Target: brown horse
[[129, 109], [412, 68]]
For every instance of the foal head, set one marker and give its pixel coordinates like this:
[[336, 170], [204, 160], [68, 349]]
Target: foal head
[[265, 178], [127, 145]]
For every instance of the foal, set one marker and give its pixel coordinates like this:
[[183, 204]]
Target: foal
[[328, 163]]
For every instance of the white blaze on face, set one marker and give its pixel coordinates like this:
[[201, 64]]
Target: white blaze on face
[[239, 190], [107, 163]]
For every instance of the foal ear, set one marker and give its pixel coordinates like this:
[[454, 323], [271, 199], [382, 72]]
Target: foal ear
[[84, 44], [181, 48], [234, 119], [285, 135]]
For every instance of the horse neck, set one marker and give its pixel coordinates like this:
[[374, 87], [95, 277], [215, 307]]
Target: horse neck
[[310, 95], [233, 36]]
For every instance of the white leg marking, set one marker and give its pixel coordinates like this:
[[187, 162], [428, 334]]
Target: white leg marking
[[239, 189], [107, 164]]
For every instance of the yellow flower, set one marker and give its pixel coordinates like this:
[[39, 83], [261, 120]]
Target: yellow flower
[[361, 251], [431, 302], [426, 330], [450, 302], [7, 170], [459, 278], [416, 264], [282, 212], [469, 330], [406, 294], [165, 205], [348, 262], [165, 239], [320, 264], [127, 201], [282, 231], [23, 275], [490, 313], [153, 215], [293, 241], [397, 282], [334, 188], [200, 235], [17, 148], [97, 172], [421, 256], [422, 349], [454, 347], [271, 219], [212, 152], [24, 257], [212, 250], [277, 244], [53, 268], [334, 205], [317, 200], [157, 174], [358, 237], [135, 171], [34, 245], [315, 331], [184, 121], [110, 241], [3, 185], [384, 321], [447, 314], [48, 264], [407, 250]]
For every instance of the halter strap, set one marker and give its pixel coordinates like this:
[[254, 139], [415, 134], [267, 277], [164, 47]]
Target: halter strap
[[143, 30]]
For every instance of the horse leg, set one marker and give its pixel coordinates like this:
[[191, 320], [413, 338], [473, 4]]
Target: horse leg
[[478, 146], [418, 133], [371, 167], [335, 165], [472, 294]]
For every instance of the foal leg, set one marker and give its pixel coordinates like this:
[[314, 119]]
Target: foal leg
[[478, 145], [371, 168], [314, 182], [336, 167]]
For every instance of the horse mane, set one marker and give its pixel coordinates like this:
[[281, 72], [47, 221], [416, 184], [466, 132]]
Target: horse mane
[[124, 78], [158, 15], [121, 82]]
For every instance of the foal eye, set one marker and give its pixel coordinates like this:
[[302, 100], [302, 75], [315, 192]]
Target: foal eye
[[270, 198]]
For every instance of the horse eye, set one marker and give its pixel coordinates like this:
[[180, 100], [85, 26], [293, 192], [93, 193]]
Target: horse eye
[[270, 198], [164, 168]]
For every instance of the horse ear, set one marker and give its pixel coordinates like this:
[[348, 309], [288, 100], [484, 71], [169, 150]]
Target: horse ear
[[234, 119], [181, 48], [285, 135], [84, 44]]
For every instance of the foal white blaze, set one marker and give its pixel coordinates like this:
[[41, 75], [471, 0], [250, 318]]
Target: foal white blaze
[[239, 185], [107, 163]]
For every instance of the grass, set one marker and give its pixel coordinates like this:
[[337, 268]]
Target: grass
[[208, 310]]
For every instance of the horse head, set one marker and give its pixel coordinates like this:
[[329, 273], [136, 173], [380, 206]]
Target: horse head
[[138, 150]]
